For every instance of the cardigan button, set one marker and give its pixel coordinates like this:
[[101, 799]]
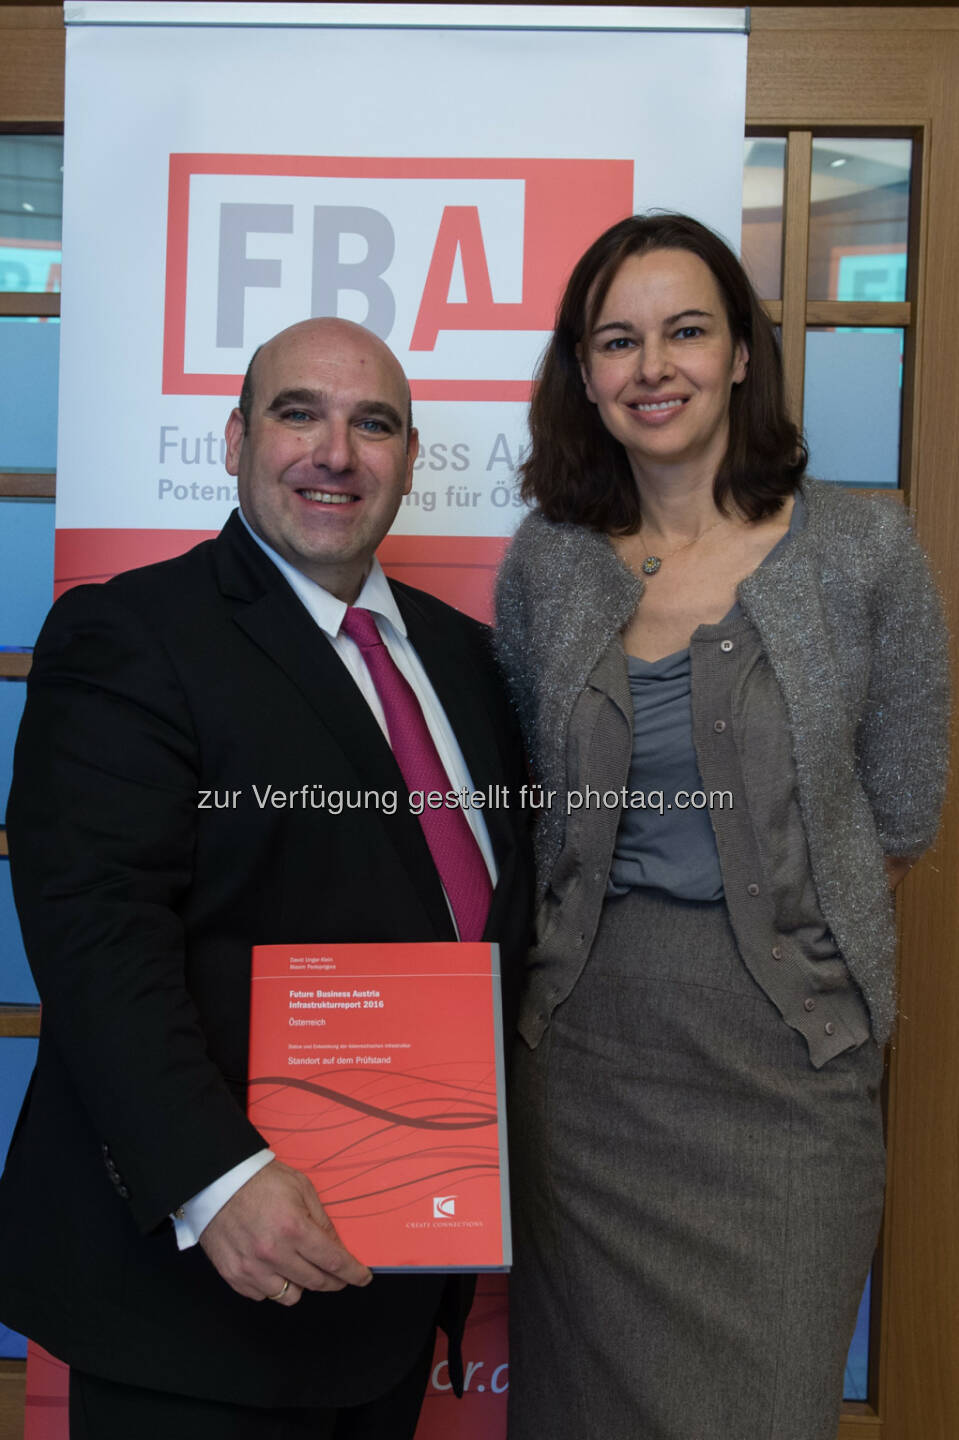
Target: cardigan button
[[719, 726], [752, 889], [809, 1004], [777, 952], [829, 1028], [725, 646]]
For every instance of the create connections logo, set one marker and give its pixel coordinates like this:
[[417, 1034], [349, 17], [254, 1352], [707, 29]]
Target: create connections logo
[[457, 264], [444, 1207]]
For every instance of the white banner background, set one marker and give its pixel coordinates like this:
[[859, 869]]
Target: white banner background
[[131, 456]]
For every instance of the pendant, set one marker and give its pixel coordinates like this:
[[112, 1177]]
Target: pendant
[[651, 564]]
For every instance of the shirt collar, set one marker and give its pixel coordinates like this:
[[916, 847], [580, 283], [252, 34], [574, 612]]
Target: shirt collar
[[326, 609]]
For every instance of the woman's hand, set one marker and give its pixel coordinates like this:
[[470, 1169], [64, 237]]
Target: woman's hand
[[897, 868]]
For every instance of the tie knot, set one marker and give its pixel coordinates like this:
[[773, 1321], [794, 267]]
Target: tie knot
[[361, 627]]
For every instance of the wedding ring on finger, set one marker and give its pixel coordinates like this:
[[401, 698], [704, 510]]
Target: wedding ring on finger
[[281, 1292]]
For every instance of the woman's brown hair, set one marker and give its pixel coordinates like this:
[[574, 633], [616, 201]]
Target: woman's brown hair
[[575, 470]]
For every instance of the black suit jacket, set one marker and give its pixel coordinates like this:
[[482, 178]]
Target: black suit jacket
[[139, 909]]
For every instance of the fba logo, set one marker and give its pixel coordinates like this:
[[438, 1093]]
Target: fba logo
[[443, 1206], [457, 264]]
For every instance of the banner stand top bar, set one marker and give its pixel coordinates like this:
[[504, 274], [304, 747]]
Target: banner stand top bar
[[411, 17]]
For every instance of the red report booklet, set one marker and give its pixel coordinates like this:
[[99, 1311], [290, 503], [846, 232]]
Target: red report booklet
[[377, 1070]]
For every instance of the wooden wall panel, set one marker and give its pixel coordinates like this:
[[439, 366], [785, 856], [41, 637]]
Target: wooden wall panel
[[11, 1399], [828, 68], [921, 1392], [32, 39]]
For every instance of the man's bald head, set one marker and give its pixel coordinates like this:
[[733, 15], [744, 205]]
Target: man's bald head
[[324, 453], [322, 327]]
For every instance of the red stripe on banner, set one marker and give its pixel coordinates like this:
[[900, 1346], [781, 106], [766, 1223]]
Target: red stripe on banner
[[554, 236], [230, 384], [379, 167], [47, 1398], [174, 317], [83, 557], [459, 569], [481, 1414], [471, 389]]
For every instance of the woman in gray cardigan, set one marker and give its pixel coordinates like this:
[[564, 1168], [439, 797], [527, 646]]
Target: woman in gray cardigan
[[733, 686]]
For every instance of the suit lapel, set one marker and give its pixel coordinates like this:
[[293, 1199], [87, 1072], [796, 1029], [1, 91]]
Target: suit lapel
[[465, 699], [276, 622]]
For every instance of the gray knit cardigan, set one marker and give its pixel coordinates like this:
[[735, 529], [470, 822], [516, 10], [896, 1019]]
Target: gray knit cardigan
[[851, 623]]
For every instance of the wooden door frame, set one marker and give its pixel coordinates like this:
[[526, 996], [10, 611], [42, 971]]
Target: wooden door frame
[[831, 69]]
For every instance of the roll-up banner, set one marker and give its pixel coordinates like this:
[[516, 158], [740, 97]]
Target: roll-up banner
[[432, 172]]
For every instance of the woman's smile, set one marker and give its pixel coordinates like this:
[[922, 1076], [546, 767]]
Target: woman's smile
[[660, 363]]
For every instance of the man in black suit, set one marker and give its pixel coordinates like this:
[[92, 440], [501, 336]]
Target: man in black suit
[[152, 699]]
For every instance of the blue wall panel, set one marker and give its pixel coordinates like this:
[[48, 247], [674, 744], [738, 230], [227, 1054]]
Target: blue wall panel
[[29, 364], [857, 1363], [26, 569], [13, 694], [16, 982], [16, 1062]]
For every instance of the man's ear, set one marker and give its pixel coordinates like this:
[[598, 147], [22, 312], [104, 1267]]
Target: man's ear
[[412, 450], [235, 435]]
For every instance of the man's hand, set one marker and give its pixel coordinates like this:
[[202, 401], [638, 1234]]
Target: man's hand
[[275, 1229]]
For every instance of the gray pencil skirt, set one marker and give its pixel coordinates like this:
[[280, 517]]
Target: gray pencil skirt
[[695, 1207]]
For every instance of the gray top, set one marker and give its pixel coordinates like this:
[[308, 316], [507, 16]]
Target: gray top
[[850, 625], [743, 750], [663, 842], [670, 845]]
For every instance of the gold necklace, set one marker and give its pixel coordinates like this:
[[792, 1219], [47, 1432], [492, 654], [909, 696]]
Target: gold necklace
[[652, 562]]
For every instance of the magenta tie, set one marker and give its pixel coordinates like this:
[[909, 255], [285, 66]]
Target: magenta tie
[[452, 843]]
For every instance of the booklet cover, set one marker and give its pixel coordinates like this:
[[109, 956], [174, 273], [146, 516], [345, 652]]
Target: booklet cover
[[377, 1070]]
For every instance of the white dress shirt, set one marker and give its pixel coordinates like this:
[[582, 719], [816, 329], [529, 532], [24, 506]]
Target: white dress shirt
[[328, 612]]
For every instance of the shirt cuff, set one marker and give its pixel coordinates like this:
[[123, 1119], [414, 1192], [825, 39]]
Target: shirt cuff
[[192, 1217]]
